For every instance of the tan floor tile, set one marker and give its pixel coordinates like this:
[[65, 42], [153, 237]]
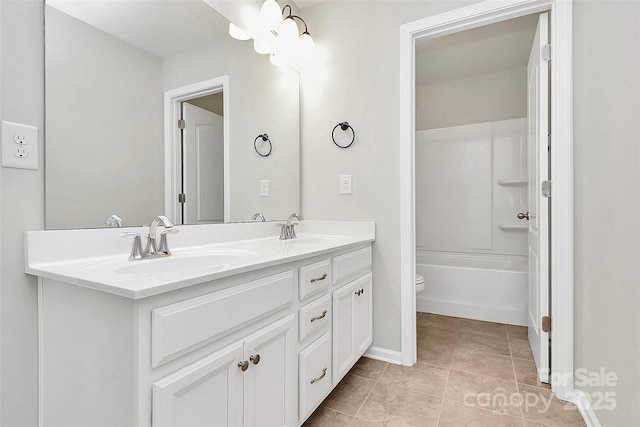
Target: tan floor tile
[[349, 395], [528, 423], [436, 320], [489, 393], [369, 368], [485, 364], [325, 417], [526, 373], [392, 405], [439, 335], [456, 414], [543, 407], [421, 377], [488, 343], [480, 327], [518, 332], [435, 353], [520, 349]]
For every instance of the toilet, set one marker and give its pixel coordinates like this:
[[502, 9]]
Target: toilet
[[419, 283]]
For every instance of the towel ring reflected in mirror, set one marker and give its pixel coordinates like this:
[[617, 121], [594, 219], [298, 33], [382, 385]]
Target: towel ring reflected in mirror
[[344, 126], [265, 142]]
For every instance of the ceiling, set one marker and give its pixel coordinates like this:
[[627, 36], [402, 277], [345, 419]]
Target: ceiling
[[482, 50], [162, 28]]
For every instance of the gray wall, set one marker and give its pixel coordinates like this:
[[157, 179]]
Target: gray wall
[[352, 85], [607, 199], [22, 98]]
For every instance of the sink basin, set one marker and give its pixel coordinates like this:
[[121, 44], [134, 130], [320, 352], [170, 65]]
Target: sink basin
[[170, 264]]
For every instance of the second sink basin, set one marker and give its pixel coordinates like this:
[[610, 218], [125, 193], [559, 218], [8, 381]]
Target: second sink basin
[[185, 262]]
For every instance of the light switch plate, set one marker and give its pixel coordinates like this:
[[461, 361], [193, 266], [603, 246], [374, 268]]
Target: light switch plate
[[19, 146], [264, 188], [345, 184]]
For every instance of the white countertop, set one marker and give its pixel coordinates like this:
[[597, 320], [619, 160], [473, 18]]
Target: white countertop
[[98, 258]]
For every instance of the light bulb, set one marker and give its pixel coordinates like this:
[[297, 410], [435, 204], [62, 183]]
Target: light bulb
[[270, 15], [237, 32], [306, 46], [288, 37], [262, 46]]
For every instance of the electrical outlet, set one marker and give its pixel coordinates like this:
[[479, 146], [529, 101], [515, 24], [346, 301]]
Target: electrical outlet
[[345, 184], [19, 146], [264, 188]]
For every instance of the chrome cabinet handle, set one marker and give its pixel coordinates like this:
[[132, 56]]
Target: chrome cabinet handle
[[324, 372], [255, 359], [244, 365], [324, 276], [523, 215], [324, 313]]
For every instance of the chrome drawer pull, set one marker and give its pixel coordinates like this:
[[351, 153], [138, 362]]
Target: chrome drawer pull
[[244, 365], [324, 313], [324, 372], [324, 276]]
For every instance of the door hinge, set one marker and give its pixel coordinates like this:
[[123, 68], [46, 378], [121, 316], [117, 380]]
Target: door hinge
[[546, 324], [181, 124], [182, 198], [546, 188], [546, 52]]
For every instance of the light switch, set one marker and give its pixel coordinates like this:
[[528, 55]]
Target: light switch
[[345, 184], [19, 146], [264, 188]]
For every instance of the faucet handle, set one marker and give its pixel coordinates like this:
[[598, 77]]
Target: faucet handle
[[284, 234], [163, 248], [136, 249]]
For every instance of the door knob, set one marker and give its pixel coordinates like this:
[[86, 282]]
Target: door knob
[[523, 215], [244, 365], [255, 359]]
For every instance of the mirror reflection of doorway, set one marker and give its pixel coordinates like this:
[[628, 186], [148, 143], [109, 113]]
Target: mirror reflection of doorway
[[202, 152]]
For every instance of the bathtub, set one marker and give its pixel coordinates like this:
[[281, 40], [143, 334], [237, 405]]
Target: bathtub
[[484, 287]]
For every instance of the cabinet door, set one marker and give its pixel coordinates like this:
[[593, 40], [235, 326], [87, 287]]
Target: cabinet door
[[343, 330], [363, 321], [270, 395], [206, 393]]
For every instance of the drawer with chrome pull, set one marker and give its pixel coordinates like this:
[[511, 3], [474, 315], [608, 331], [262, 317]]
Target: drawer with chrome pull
[[315, 316], [315, 374], [314, 278]]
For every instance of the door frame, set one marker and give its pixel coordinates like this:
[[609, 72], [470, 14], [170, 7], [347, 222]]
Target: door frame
[[173, 163], [561, 239]]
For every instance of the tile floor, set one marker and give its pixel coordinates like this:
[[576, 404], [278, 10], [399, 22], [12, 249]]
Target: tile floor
[[469, 373]]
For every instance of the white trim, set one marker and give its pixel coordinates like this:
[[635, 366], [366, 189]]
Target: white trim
[[589, 416], [384, 354], [172, 99], [40, 353], [476, 15]]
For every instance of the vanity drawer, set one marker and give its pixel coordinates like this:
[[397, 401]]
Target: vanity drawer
[[315, 374], [314, 278], [315, 316], [186, 325], [351, 265]]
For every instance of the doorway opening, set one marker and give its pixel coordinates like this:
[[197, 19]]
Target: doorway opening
[[197, 152], [561, 260]]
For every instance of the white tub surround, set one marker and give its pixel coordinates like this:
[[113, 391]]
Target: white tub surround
[[236, 328]]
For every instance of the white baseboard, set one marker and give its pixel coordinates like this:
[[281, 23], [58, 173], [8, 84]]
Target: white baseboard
[[385, 355], [589, 416]]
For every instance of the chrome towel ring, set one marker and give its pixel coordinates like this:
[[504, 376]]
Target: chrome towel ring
[[344, 126], [265, 138]]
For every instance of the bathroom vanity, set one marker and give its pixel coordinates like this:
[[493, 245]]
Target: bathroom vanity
[[235, 328]]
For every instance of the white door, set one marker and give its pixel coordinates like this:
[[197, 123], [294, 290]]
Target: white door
[[363, 321], [203, 166], [270, 382], [538, 165], [343, 330], [206, 393]]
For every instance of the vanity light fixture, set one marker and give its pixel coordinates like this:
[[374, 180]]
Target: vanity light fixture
[[278, 35]]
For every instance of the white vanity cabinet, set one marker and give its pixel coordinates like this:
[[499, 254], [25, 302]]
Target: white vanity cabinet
[[247, 383], [261, 347]]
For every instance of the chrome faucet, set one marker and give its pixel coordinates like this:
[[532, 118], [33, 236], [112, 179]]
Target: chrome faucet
[[152, 249], [257, 216], [114, 220], [288, 230]]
